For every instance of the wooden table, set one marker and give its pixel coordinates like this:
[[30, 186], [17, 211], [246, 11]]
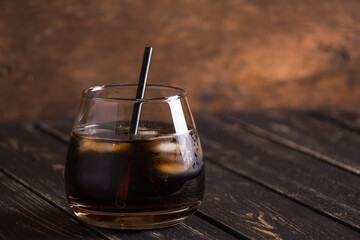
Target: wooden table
[[270, 175]]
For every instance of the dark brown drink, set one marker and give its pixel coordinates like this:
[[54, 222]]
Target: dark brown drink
[[151, 178]]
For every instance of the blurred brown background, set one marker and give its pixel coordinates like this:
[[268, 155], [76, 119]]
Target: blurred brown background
[[228, 54]]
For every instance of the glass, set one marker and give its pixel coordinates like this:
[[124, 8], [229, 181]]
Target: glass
[[119, 180]]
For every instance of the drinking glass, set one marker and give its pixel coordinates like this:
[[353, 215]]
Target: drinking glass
[[121, 180]]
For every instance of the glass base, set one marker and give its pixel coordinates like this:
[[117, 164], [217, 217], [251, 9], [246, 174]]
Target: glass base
[[134, 221]]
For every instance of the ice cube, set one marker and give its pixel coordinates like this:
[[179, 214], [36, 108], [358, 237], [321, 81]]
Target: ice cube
[[166, 148], [171, 168], [86, 145]]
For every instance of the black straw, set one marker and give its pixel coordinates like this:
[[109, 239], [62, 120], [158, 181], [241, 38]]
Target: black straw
[[140, 91]]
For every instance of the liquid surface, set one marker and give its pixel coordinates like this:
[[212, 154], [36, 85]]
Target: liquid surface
[[154, 171]]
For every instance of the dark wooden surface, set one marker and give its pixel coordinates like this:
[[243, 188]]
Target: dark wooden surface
[[269, 175]]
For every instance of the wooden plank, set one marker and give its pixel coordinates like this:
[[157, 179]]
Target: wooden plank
[[58, 128], [347, 120], [262, 214], [302, 131], [37, 160], [24, 215], [323, 187], [253, 210]]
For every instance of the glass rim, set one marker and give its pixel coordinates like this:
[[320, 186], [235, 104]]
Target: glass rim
[[87, 93]]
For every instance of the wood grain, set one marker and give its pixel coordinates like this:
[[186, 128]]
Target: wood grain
[[23, 215], [37, 160], [315, 184], [258, 213], [347, 120], [250, 209], [305, 132]]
